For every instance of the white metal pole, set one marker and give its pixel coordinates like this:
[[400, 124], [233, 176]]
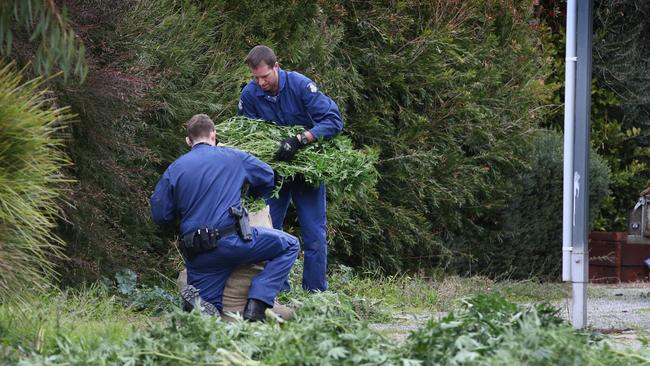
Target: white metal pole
[[580, 237], [569, 123]]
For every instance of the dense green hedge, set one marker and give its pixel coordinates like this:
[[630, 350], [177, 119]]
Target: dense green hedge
[[533, 219], [447, 91], [620, 112]]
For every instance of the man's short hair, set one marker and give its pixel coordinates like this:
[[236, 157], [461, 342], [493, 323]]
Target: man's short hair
[[260, 54], [199, 126]]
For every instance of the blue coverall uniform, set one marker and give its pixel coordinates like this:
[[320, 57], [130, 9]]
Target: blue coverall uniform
[[199, 188], [299, 102]]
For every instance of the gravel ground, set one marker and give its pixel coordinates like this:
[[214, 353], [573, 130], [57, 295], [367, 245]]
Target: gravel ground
[[404, 324], [621, 311]]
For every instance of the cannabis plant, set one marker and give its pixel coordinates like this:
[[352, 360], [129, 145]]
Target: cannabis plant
[[334, 162]]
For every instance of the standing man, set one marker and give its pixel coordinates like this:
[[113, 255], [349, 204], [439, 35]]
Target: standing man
[[203, 190], [290, 98]]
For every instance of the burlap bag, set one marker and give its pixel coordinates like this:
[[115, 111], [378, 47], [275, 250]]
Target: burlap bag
[[235, 294]]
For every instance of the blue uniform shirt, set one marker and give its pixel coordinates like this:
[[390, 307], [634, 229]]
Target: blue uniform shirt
[[200, 187], [299, 102]]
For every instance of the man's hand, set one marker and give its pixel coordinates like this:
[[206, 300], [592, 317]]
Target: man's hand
[[288, 149]]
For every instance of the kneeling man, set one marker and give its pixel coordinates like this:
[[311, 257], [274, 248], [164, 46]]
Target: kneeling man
[[203, 189]]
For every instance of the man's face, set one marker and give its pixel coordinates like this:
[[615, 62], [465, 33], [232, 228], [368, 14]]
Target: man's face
[[266, 77]]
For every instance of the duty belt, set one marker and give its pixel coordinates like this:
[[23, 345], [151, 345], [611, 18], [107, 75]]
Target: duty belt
[[203, 240]]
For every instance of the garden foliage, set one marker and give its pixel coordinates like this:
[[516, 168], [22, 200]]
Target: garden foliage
[[622, 44], [92, 326], [622, 95], [44, 23], [489, 330], [619, 96], [486, 330], [31, 183], [447, 92], [533, 217]]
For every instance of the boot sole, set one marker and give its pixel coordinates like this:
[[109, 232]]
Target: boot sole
[[191, 295]]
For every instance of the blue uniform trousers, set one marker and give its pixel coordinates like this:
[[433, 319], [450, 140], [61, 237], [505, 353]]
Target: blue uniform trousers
[[209, 271], [309, 202]]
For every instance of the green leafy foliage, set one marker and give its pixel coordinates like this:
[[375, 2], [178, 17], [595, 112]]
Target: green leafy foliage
[[333, 162], [621, 39], [126, 281], [490, 330], [486, 330], [620, 148], [531, 249], [89, 315], [154, 73], [153, 300], [446, 92], [326, 331], [475, 331], [59, 46], [619, 117], [450, 102], [31, 183]]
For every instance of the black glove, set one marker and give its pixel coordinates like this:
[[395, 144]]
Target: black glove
[[288, 149]]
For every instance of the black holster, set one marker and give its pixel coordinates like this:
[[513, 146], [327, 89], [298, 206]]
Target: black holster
[[243, 225], [200, 241], [204, 240]]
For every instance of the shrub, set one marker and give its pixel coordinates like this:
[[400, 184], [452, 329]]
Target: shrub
[[59, 47], [31, 135], [447, 92], [620, 116], [533, 220]]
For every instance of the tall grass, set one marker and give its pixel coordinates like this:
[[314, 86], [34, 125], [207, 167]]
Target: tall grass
[[87, 316], [30, 183]]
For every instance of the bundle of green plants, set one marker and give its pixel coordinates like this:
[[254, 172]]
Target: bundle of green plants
[[490, 330], [334, 162], [326, 331]]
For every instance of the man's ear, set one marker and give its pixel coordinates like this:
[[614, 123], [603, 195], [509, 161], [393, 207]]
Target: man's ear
[[188, 141], [213, 137]]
